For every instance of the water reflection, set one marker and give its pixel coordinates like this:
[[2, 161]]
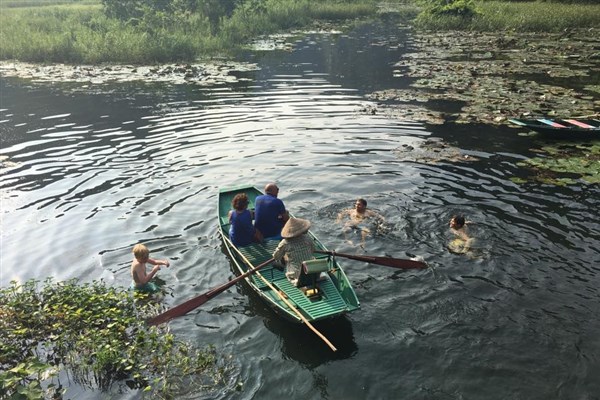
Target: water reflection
[[300, 343], [95, 171]]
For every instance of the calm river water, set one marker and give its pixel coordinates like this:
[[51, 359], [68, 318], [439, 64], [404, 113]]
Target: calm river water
[[98, 169]]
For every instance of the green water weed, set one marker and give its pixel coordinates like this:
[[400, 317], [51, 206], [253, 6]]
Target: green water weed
[[564, 163], [97, 335]]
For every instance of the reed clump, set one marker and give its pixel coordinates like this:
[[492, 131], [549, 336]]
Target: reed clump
[[86, 33], [90, 32], [530, 16]]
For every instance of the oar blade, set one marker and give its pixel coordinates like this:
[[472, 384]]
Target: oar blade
[[197, 301], [385, 261], [179, 310], [399, 263]]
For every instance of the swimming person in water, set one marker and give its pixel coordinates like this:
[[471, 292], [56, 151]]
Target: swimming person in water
[[463, 242], [359, 218], [141, 279]]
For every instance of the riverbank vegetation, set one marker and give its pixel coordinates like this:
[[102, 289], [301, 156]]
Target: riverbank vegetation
[[492, 16], [147, 31], [151, 31], [95, 336]]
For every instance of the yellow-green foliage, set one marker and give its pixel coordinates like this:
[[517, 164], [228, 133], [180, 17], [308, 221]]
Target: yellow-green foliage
[[38, 3], [95, 333], [520, 16], [84, 34], [537, 16], [276, 15]]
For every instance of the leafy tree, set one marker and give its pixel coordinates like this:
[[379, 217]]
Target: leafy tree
[[216, 10], [134, 11]]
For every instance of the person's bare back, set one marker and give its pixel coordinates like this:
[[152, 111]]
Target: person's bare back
[[138, 266]]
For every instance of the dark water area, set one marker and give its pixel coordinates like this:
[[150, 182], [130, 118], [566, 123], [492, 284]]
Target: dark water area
[[91, 171]]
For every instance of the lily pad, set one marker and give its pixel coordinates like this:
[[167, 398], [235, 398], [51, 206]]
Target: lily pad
[[432, 151], [498, 76], [580, 160]]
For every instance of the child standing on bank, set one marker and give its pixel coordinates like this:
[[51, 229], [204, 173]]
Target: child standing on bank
[[141, 280]]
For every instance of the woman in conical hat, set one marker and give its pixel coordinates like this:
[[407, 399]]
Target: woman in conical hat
[[295, 247]]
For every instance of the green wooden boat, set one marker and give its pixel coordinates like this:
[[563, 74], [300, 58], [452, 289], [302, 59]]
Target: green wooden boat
[[329, 292]]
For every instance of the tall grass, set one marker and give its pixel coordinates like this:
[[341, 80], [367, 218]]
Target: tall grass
[[38, 3], [288, 14], [519, 16], [80, 32], [537, 16], [83, 34]]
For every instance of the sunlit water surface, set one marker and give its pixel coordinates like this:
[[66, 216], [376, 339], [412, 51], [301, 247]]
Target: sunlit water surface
[[95, 170]]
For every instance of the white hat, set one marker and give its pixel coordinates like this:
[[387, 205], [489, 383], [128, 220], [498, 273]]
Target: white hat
[[295, 227]]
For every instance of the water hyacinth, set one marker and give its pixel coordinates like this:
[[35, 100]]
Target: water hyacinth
[[97, 335]]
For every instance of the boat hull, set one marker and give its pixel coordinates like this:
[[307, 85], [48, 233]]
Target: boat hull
[[563, 128], [337, 297]]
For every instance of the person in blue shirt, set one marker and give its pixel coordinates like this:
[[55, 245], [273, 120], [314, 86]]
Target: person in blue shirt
[[241, 230], [270, 213]]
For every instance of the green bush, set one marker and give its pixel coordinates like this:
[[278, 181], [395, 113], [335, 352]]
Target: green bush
[[520, 16], [457, 8], [94, 332], [149, 31]]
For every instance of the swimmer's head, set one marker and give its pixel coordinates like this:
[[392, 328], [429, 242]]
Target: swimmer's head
[[457, 221]]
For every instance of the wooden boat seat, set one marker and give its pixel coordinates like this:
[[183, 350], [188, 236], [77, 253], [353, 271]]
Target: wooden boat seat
[[331, 301], [332, 294], [259, 253]]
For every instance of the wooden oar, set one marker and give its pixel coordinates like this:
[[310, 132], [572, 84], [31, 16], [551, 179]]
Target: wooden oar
[[197, 301], [282, 297], [386, 261]]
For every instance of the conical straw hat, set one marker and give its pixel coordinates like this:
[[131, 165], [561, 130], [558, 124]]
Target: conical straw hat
[[295, 227]]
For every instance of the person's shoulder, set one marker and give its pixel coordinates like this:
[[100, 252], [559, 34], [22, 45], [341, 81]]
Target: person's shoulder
[[282, 243]]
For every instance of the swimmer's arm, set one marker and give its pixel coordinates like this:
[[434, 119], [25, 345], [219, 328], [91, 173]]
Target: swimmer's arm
[[158, 262], [341, 215]]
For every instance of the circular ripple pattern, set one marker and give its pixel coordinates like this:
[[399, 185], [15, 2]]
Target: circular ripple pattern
[[87, 174]]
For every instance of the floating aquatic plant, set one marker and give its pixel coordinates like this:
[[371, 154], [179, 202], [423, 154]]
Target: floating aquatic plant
[[580, 160], [97, 335]]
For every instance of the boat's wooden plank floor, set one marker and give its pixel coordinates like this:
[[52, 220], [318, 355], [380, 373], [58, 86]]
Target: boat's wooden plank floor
[[331, 302]]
